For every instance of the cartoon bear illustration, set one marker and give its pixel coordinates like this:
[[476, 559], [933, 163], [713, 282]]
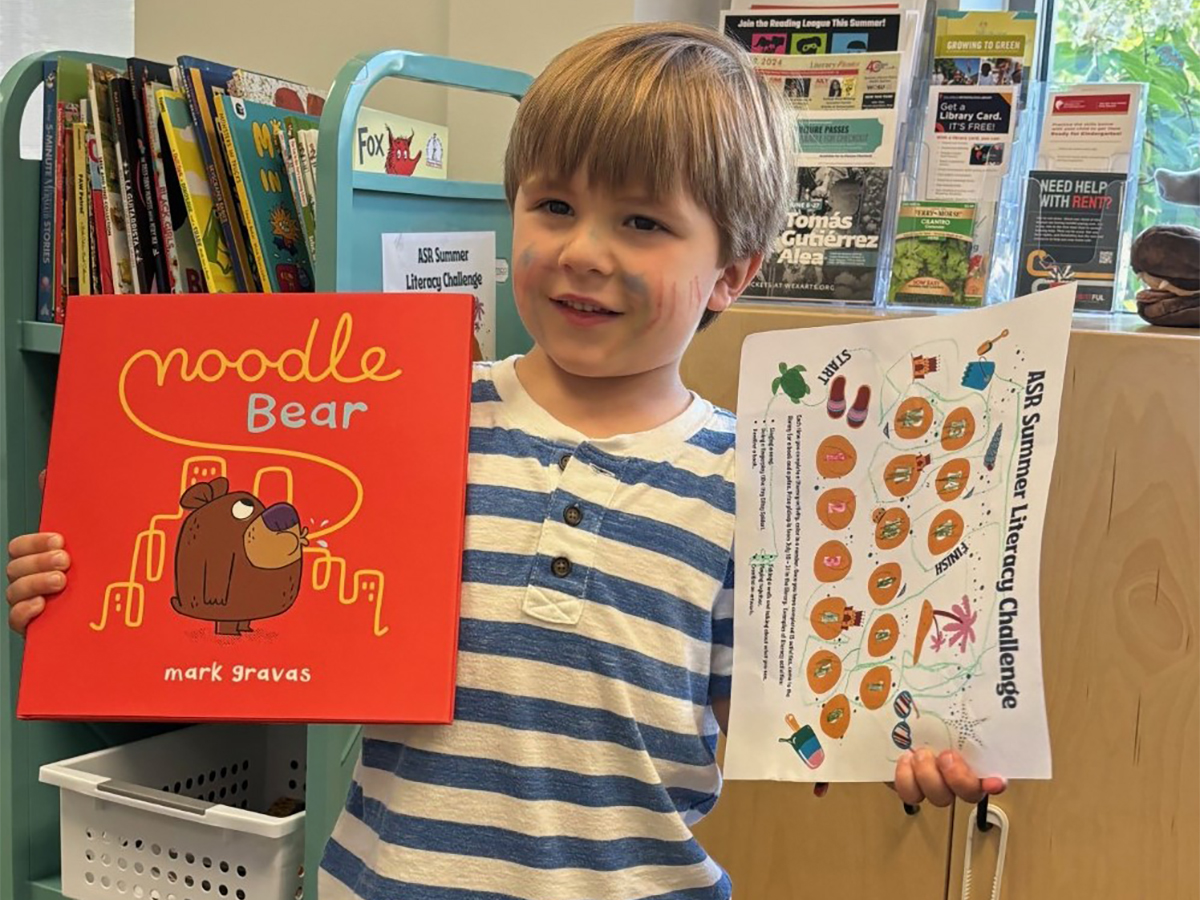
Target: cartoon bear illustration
[[236, 560]]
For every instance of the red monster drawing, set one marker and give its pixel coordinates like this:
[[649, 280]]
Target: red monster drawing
[[398, 160]]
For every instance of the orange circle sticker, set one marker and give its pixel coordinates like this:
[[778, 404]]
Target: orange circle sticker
[[875, 687], [944, 531], [903, 474], [836, 457], [835, 508], [832, 562], [913, 418], [952, 479], [958, 429], [824, 670], [882, 635], [826, 618], [835, 716], [891, 527], [884, 583]]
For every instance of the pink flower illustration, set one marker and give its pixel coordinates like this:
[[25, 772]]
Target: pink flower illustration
[[960, 628]]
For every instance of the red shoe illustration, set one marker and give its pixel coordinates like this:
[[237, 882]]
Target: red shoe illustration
[[858, 412], [837, 397]]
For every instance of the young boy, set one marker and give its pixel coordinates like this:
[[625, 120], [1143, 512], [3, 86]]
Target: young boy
[[648, 171]]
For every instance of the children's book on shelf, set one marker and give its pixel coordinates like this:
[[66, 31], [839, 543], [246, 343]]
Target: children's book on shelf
[[250, 134], [171, 215], [272, 528], [207, 235]]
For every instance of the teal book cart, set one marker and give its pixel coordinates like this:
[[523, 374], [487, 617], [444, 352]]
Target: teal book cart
[[355, 210]]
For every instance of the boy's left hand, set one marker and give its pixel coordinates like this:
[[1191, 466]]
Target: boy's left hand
[[939, 778]]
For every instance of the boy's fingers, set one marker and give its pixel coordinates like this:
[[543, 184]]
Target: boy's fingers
[[995, 785], [31, 586], [24, 566], [28, 544], [959, 777], [929, 777], [42, 480], [23, 613], [906, 781]]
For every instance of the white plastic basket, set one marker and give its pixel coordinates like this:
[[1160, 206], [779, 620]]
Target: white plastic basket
[[182, 816]]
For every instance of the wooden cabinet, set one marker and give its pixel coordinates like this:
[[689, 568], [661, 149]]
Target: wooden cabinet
[[1120, 601]]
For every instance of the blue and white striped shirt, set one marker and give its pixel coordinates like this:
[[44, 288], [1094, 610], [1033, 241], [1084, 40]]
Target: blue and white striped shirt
[[596, 628]]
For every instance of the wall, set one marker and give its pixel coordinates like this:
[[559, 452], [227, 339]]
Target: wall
[[308, 42], [515, 34]]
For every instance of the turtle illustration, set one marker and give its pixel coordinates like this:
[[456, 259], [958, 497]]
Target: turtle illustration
[[791, 381]]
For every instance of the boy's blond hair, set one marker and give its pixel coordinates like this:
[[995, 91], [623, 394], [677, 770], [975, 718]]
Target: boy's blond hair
[[663, 106]]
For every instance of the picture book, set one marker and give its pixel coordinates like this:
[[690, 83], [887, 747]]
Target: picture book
[[892, 487], [272, 527], [100, 89], [260, 177], [202, 82], [207, 233], [147, 77], [46, 219]]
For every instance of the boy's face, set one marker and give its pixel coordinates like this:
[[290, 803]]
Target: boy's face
[[610, 284]]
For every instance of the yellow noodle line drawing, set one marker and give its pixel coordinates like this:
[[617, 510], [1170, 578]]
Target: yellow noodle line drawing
[[131, 592]]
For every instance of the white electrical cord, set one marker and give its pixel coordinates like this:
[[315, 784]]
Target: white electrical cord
[[999, 821]]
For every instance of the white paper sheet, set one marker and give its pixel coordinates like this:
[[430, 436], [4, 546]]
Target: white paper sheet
[[453, 262], [888, 547]]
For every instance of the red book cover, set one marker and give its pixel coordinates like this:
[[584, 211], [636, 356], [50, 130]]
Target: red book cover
[[263, 498]]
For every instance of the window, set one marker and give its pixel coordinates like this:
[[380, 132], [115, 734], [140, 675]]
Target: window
[[1152, 41]]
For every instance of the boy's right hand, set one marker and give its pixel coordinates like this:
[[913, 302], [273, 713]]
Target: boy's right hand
[[37, 570]]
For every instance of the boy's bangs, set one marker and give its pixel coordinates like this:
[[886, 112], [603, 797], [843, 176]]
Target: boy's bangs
[[623, 131], [617, 143]]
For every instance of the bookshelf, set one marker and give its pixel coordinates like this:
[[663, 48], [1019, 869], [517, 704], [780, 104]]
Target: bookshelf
[[357, 208]]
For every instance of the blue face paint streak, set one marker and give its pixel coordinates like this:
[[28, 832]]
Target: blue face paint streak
[[636, 285]]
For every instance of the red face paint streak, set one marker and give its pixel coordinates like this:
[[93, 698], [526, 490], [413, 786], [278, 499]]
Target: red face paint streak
[[656, 313]]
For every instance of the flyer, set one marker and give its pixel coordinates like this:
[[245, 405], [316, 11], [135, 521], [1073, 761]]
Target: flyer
[[847, 81], [1092, 128], [815, 31], [452, 262], [984, 48], [891, 492], [1072, 233]]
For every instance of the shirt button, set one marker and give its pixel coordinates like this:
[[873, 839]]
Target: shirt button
[[573, 515], [561, 566], [562, 462]]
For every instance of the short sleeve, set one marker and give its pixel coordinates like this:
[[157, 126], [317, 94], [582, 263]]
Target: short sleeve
[[720, 684]]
